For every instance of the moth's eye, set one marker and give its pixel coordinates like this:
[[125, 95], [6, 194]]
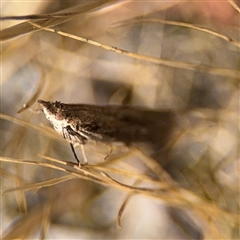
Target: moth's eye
[[59, 116]]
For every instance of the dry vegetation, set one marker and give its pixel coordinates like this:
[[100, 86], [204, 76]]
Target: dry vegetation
[[161, 55]]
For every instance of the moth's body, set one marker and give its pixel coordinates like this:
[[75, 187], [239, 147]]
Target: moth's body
[[79, 123]]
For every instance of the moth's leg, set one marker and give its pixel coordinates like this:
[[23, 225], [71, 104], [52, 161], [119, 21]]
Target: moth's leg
[[82, 140], [110, 152], [75, 155], [73, 133], [84, 154]]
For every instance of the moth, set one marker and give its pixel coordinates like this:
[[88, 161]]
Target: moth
[[79, 123]]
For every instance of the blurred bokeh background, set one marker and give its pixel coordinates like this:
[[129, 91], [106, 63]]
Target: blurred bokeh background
[[196, 181]]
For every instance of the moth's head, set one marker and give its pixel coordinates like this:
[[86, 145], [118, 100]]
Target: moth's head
[[53, 109]]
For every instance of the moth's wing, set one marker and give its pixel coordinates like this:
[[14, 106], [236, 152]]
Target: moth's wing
[[128, 125], [152, 126]]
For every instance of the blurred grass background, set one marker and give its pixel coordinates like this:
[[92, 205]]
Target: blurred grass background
[[196, 194]]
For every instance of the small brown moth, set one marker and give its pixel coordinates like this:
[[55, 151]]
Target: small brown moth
[[79, 123]]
